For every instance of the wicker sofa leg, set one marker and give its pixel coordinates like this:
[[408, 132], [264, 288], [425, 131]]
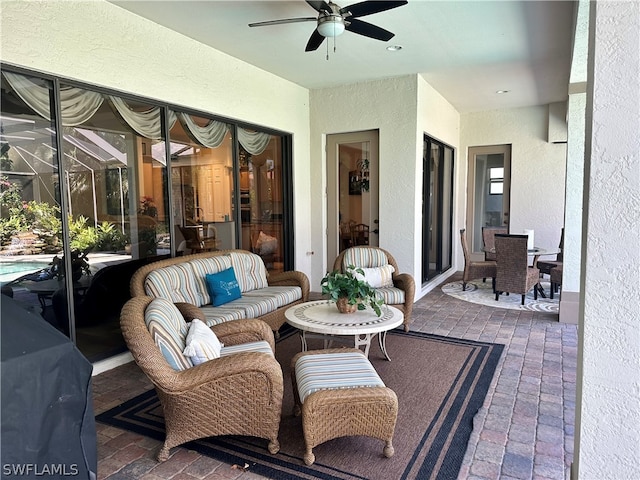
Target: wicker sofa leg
[[163, 454], [274, 446]]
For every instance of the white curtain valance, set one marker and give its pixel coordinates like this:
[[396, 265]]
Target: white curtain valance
[[147, 123], [79, 105], [253, 142], [211, 135]]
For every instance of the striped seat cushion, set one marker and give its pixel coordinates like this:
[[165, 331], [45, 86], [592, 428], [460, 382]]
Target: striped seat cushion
[[282, 295], [330, 371], [203, 266], [169, 332], [364, 257], [224, 313], [250, 271], [175, 282], [260, 346], [254, 306], [391, 295]]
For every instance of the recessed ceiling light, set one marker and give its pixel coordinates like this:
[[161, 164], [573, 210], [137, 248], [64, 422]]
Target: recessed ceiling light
[[502, 91], [394, 48]]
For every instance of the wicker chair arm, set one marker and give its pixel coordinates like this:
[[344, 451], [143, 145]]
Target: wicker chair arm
[[235, 332], [405, 282], [224, 370], [189, 311], [294, 278]]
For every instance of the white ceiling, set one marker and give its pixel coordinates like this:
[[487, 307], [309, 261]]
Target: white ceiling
[[467, 50]]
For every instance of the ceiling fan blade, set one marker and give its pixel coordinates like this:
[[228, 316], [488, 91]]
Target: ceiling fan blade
[[314, 41], [284, 20], [368, 30], [368, 8], [319, 5]]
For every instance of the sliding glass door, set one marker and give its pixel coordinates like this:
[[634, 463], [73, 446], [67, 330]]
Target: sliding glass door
[[437, 208], [93, 185]]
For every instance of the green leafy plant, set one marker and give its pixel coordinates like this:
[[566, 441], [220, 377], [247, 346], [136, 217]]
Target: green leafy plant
[[83, 237], [347, 285], [109, 238]]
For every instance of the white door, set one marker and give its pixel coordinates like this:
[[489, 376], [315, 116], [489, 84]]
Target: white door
[[352, 189]]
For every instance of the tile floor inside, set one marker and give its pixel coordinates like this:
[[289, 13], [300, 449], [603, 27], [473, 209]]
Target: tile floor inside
[[523, 431]]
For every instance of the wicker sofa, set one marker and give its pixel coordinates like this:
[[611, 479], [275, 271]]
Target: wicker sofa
[[182, 280]]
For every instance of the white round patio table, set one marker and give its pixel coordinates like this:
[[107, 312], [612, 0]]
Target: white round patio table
[[322, 318]]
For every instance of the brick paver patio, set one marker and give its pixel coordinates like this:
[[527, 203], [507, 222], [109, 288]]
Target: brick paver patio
[[523, 431]]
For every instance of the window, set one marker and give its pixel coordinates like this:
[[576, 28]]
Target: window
[[496, 180], [98, 181]]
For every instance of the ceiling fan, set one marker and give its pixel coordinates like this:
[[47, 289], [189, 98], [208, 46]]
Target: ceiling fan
[[333, 20]]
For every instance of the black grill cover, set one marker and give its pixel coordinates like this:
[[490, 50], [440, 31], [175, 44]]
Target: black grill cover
[[48, 427]]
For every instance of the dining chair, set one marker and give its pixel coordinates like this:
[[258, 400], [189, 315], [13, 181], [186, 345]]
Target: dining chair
[[545, 266], [556, 280], [360, 234], [475, 269], [513, 273], [196, 242], [488, 242]]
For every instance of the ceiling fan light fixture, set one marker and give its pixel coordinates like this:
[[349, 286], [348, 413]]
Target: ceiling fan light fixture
[[331, 26]]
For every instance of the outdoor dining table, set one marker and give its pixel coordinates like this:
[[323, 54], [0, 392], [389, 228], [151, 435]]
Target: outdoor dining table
[[535, 252]]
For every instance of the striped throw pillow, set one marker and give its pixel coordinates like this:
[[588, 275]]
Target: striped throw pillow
[[377, 277], [169, 332]]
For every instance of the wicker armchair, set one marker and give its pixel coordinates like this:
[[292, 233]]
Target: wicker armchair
[[488, 240], [472, 270], [514, 275], [404, 286], [545, 266], [238, 394]]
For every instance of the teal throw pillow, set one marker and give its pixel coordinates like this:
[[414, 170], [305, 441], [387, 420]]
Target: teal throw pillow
[[223, 287]]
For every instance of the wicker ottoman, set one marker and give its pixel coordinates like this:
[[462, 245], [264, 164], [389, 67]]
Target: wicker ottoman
[[340, 394]]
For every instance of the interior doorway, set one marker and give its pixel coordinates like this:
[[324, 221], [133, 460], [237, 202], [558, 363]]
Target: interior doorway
[[352, 191], [488, 196]]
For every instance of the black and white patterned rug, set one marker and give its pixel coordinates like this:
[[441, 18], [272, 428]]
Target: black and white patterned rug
[[481, 293]]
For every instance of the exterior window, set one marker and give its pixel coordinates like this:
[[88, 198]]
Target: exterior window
[[496, 181], [202, 184], [261, 199], [86, 200]]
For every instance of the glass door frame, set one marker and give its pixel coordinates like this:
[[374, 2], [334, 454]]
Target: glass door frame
[[438, 228], [474, 235]]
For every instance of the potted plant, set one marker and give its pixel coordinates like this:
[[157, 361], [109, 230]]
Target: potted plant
[[350, 292], [79, 265]]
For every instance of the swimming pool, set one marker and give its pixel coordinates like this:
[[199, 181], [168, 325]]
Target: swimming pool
[[12, 269]]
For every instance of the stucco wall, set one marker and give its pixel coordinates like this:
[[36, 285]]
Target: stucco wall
[[440, 120], [99, 43], [402, 109], [537, 166], [608, 406]]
